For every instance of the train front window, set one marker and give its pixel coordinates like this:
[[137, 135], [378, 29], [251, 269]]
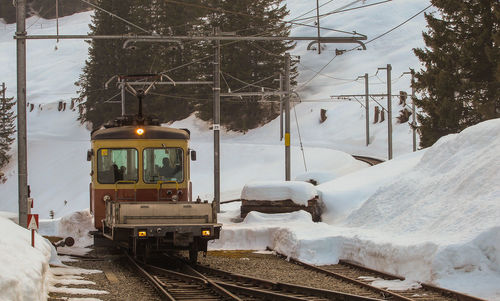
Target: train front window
[[163, 164], [117, 164]]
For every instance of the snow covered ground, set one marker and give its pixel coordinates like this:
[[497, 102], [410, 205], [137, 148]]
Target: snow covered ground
[[431, 216]]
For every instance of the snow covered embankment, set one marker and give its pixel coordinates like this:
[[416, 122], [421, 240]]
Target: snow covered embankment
[[432, 216], [24, 271]]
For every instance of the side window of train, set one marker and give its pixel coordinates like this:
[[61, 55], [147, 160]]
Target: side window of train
[[117, 164], [163, 164]]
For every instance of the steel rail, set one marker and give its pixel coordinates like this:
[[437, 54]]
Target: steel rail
[[181, 286], [164, 294], [450, 293], [198, 278], [369, 160], [400, 295], [384, 293]]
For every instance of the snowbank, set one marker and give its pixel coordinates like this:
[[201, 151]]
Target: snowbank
[[258, 230], [76, 225], [343, 195], [432, 216], [24, 271], [298, 192]]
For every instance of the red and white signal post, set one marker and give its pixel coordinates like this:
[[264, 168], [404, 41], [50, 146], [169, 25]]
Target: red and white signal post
[[33, 225]]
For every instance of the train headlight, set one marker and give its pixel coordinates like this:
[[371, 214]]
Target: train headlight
[[205, 232], [106, 198], [139, 131], [175, 197], [142, 233]]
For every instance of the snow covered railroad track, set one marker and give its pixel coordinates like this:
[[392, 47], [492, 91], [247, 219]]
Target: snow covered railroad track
[[357, 274]]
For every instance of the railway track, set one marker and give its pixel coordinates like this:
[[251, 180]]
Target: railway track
[[371, 161], [177, 280], [172, 285], [363, 276]]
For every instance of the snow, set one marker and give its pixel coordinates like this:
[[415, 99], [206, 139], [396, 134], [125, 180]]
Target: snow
[[298, 192], [24, 270], [430, 216]]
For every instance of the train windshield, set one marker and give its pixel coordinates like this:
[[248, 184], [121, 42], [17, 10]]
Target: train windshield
[[117, 164], [163, 164]]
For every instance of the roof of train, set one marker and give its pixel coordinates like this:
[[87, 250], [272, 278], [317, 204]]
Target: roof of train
[[150, 132]]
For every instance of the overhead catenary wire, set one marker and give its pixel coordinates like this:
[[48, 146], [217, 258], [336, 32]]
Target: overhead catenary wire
[[249, 84], [254, 83], [315, 75], [312, 10], [337, 11], [240, 13], [116, 16], [377, 37], [300, 138], [395, 27]]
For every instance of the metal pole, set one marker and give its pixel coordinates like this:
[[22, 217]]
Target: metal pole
[[317, 21], [414, 117], [287, 118], [216, 123], [122, 87], [281, 107], [367, 110], [389, 110], [57, 18], [22, 148]]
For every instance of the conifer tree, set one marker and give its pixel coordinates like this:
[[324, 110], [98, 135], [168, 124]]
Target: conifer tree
[[459, 85], [7, 128], [108, 58], [246, 62]]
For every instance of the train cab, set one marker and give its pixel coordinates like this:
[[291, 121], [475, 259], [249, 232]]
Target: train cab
[[140, 191]]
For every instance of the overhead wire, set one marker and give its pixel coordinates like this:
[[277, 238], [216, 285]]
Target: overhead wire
[[300, 138], [259, 34], [317, 73], [248, 84], [337, 11], [256, 82], [395, 27], [377, 37], [116, 16], [310, 11]]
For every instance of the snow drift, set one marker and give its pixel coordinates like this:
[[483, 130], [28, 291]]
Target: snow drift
[[24, 270], [433, 216]]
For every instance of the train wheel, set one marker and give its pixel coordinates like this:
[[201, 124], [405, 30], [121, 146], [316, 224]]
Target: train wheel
[[193, 254]]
